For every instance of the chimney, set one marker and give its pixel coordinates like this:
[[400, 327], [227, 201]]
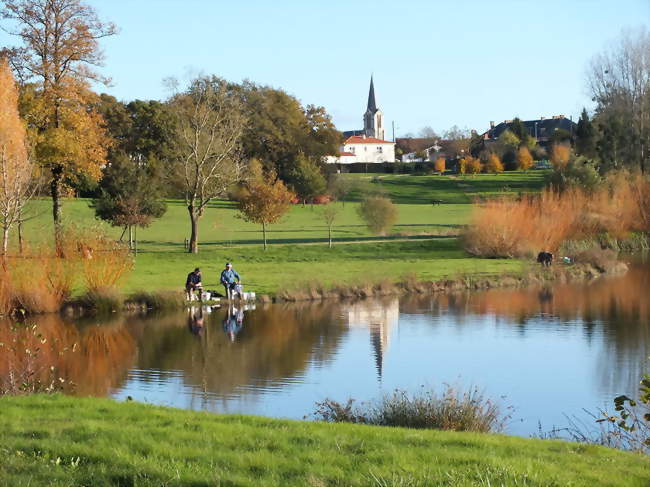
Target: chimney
[[491, 124], [542, 118]]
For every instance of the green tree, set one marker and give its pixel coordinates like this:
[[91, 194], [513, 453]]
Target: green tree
[[60, 49], [340, 187], [129, 195], [307, 179], [379, 214], [330, 214], [585, 136], [264, 199]]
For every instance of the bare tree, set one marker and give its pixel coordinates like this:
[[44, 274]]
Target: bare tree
[[210, 125], [16, 169], [619, 79]]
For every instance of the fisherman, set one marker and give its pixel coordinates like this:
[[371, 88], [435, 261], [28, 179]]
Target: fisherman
[[193, 283], [228, 278]]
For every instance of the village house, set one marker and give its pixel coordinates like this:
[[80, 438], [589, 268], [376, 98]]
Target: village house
[[541, 129]]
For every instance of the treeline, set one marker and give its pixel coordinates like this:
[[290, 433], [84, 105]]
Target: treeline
[[128, 156]]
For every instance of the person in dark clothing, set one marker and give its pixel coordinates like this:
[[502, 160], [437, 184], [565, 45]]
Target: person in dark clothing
[[230, 279], [193, 283]]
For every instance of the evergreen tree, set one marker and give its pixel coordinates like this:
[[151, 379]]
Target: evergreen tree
[[585, 136]]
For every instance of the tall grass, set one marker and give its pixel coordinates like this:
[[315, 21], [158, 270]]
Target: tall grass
[[41, 280], [452, 410], [507, 227]]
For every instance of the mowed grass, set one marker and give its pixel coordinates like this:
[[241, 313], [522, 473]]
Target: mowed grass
[[72, 441], [422, 243]]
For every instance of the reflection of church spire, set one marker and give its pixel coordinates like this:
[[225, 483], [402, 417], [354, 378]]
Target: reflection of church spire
[[379, 347]]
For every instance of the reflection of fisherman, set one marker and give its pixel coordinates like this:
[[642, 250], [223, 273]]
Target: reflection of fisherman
[[195, 321], [233, 322], [229, 279]]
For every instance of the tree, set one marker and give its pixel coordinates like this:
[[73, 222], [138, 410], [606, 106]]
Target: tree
[[307, 179], [209, 124], [456, 141], [507, 145], [473, 165], [524, 159], [60, 48], [16, 168], [340, 187], [560, 156], [518, 129], [439, 165], [462, 166], [585, 136], [493, 164], [428, 133], [619, 80], [265, 198], [330, 213], [130, 195], [379, 213]]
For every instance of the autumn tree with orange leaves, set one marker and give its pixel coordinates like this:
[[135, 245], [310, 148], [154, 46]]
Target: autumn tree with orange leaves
[[56, 64], [439, 165], [560, 155], [265, 199], [16, 170], [524, 159]]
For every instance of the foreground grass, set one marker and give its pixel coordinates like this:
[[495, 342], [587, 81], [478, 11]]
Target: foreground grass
[[71, 441]]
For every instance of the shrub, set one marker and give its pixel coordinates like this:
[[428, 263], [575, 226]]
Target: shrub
[[453, 410], [473, 165], [524, 159], [560, 156], [102, 300], [494, 164], [439, 165], [379, 213], [579, 173]]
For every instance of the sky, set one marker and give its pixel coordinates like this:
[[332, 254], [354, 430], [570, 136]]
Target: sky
[[435, 63]]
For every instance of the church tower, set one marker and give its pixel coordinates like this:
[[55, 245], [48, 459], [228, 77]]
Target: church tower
[[373, 119]]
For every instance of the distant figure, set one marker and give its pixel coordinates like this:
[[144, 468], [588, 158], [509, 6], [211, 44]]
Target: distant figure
[[193, 283], [195, 321], [233, 322], [230, 279], [545, 258]]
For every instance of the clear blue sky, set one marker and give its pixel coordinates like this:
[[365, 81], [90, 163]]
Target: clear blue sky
[[435, 63]]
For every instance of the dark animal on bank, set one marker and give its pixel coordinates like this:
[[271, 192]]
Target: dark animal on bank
[[545, 258]]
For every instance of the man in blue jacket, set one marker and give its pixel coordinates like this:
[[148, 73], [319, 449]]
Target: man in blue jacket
[[228, 278]]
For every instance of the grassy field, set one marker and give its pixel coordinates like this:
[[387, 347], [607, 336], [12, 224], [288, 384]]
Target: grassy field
[[73, 441], [423, 241]]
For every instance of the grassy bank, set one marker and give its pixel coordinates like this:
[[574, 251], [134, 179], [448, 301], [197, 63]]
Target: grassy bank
[[68, 441], [423, 242]]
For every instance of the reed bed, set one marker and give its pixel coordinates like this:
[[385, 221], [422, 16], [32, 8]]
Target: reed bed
[[507, 227]]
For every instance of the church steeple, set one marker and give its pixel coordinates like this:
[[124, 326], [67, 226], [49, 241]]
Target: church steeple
[[372, 105], [373, 119]]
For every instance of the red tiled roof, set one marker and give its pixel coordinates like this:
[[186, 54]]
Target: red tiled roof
[[357, 139], [346, 154]]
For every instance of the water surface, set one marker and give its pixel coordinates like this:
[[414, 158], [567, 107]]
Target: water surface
[[548, 352]]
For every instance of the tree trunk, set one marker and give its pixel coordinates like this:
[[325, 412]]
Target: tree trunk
[[264, 234], [20, 234], [130, 237], [5, 240], [330, 236], [135, 240], [55, 187], [193, 247]]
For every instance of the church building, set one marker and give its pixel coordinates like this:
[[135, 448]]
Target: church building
[[367, 145]]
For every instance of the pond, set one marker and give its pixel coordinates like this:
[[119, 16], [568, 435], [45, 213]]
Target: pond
[[547, 353]]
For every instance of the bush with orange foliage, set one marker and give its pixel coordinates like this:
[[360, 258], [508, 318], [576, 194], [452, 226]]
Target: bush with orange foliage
[[505, 227], [473, 165], [560, 156], [439, 165], [524, 159], [494, 164]]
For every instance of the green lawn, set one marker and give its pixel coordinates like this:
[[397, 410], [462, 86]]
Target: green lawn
[[72, 441], [423, 241]]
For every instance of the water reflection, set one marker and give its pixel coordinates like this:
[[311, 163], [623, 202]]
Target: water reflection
[[552, 351]]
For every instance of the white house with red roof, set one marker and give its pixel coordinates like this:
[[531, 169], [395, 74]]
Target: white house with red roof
[[367, 145]]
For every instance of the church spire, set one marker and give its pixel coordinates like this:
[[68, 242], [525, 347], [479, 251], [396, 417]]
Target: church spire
[[372, 105]]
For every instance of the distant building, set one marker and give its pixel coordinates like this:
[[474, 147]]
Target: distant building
[[363, 149], [420, 149], [541, 129], [366, 146]]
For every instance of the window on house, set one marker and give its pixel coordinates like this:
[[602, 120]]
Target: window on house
[[380, 149]]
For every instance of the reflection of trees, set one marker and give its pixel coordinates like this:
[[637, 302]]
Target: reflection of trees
[[276, 342], [93, 358], [617, 307]]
